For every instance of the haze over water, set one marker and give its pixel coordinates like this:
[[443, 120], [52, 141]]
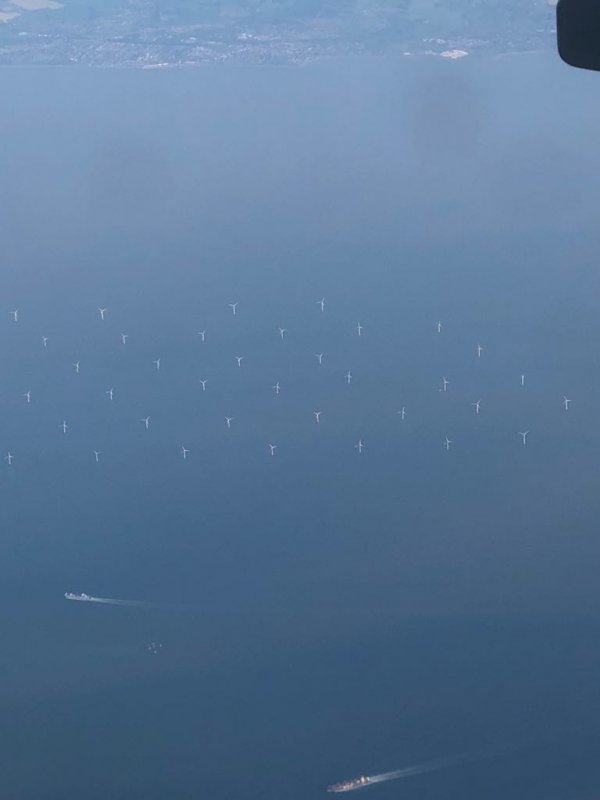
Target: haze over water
[[336, 614]]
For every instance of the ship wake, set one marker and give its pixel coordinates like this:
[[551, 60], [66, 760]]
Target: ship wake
[[421, 769], [112, 601]]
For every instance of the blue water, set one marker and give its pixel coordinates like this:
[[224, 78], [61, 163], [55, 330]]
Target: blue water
[[322, 614]]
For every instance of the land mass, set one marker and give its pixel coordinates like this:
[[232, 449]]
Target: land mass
[[171, 33]]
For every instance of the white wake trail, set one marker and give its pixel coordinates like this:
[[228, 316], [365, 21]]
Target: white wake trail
[[420, 769], [111, 601]]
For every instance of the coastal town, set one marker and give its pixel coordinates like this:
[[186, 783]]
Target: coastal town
[[138, 34]]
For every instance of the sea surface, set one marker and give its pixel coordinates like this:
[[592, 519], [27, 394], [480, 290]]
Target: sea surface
[[322, 613]]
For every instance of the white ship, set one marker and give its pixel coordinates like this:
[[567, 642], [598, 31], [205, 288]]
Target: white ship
[[83, 597], [349, 786]]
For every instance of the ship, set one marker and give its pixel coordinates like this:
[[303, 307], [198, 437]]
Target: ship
[[349, 786], [82, 596]]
